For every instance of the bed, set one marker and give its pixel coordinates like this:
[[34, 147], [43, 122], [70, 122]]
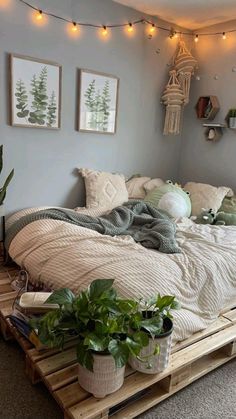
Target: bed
[[202, 277]]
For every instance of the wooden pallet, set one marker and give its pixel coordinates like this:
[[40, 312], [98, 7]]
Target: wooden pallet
[[190, 360]]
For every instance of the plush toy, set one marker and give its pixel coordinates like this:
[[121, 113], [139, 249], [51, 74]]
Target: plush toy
[[221, 218], [170, 198]]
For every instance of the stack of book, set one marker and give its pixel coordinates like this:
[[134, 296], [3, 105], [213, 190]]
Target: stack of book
[[21, 321]]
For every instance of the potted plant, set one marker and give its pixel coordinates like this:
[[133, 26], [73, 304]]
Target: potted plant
[[154, 318], [232, 118], [3, 189], [100, 322]]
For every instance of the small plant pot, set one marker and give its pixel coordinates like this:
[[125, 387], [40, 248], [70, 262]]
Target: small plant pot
[[232, 122], [106, 378], [154, 364]]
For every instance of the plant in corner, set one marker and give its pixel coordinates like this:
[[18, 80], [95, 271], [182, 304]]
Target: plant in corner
[[3, 189], [232, 118], [155, 319], [100, 322]]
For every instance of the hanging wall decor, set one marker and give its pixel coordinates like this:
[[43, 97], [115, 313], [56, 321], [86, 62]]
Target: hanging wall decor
[[98, 100], [173, 99], [184, 64], [35, 92]]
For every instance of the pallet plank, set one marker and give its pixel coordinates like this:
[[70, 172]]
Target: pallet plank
[[158, 394], [56, 362], [138, 381], [70, 395], [231, 315], [62, 377], [220, 324]]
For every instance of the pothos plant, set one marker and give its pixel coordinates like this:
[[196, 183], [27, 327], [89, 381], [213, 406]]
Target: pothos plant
[[98, 318]]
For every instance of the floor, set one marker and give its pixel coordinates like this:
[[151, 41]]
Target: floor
[[212, 397]]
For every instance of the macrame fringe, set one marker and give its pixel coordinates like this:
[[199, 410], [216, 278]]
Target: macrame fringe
[[185, 81], [172, 120]]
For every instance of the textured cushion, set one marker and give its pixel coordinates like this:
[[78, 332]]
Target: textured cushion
[[106, 190], [135, 187], [229, 205], [170, 198], [206, 196], [153, 183]]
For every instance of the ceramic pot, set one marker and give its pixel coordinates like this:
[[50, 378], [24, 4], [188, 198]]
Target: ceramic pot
[[232, 122], [104, 379], [159, 362]]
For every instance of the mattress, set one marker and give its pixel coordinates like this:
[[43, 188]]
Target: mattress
[[202, 276]]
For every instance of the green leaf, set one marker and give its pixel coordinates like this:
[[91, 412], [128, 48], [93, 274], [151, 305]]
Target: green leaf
[[164, 302], [134, 347], [119, 351], [61, 297], [95, 343], [84, 356], [153, 325], [175, 305], [98, 287], [141, 337]]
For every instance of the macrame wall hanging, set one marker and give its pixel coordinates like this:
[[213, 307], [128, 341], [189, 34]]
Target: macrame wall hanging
[[173, 99], [184, 64], [176, 93]]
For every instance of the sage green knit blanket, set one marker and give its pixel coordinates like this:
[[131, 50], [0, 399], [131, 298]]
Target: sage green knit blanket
[[148, 226]]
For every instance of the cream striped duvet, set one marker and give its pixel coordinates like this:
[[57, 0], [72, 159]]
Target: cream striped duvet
[[203, 276]]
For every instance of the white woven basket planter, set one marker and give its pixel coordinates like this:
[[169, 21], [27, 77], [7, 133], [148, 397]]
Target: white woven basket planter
[[154, 363], [104, 379]]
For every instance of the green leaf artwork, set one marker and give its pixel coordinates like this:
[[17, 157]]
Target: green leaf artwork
[[98, 105], [38, 105], [22, 99]]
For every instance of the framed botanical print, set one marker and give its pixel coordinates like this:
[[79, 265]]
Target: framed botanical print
[[98, 101], [35, 93]]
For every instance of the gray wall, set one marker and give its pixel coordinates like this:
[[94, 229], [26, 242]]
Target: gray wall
[[202, 160], [45, 160]]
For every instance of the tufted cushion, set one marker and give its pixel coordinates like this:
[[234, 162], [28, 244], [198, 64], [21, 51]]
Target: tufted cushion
[[206, 196], [106, 190], [135, 187]]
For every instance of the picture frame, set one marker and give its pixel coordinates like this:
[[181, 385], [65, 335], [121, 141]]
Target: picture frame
[[35, 92], [97, 102]]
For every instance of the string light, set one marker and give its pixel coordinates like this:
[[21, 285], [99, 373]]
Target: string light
[[104, 31], [130, 27], [74, 27], [152, 29], [39, 15]]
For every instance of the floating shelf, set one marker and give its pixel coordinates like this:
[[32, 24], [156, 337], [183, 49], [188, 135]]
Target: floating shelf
[[207, 107]]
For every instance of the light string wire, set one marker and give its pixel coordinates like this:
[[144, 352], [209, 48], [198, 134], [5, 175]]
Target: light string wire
[[171, 31]]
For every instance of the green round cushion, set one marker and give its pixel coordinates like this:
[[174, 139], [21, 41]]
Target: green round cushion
[[170, 198]]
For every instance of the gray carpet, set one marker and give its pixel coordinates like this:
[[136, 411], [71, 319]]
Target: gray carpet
[[212, 397]]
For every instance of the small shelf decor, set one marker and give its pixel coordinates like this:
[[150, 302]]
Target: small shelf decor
[[214, 131], [207, 107], [231, 118]]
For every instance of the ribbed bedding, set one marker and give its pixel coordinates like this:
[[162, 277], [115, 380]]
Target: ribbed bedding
[[202, 276]]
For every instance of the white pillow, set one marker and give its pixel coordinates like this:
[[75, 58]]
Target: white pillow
[[135, 187], [206, 196], [153, 183], [106, 190]]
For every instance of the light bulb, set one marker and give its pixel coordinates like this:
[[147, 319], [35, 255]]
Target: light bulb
[[224, 35], [196, 39], [74, 27], [39, 15], [152, 29], [176, 35], [104, 31], [130, 28]]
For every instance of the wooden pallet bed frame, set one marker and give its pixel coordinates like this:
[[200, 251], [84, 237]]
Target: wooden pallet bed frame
[[191, 359]]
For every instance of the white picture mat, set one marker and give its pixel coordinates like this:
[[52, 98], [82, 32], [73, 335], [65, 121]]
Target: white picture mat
[[86, 78], [24, 69]]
